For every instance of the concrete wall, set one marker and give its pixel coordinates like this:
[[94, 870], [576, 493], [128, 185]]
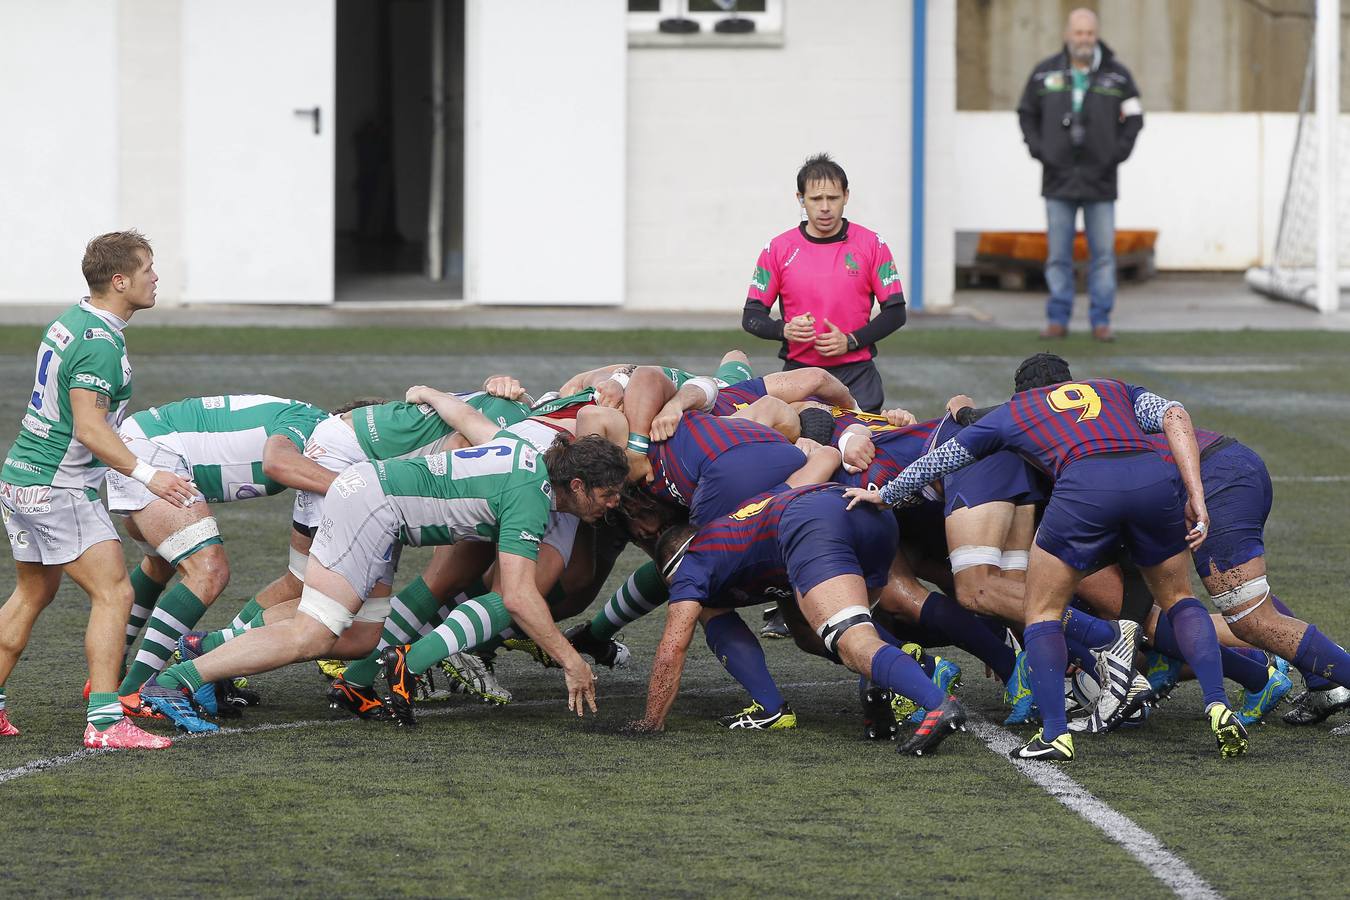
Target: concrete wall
[[61, 151], [715, 138], [1211, 184]]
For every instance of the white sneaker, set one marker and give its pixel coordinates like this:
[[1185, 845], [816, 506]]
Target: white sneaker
[[1115, 673], [470, 675]]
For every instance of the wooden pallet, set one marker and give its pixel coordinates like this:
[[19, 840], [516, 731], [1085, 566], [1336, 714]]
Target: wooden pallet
[[1015, 260]]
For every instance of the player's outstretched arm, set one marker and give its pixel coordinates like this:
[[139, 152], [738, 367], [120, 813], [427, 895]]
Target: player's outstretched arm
[[529, 610], [596, 377], [89, 410], [821, 463], [647, 392], [284, 463], [668, 665], [476, 427], [1180, 433], [948, 457], [799, 384]]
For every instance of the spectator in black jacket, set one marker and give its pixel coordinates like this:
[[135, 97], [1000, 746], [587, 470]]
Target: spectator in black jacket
[[1080, 114]]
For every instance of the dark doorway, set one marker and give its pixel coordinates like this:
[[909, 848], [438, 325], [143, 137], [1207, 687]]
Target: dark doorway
[[400, 154]]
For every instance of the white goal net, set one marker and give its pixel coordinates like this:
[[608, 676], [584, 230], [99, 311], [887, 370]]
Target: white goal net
[[1304, 238]]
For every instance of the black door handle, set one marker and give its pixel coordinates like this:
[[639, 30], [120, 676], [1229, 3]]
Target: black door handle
[[310, 112]]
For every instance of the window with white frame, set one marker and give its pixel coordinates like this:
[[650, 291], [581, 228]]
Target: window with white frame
[[647, 15]]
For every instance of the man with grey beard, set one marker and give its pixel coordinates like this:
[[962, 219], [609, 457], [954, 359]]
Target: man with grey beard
[[1080, 113]]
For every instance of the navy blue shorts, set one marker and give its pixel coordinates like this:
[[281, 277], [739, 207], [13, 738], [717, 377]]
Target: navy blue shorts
[[822, 539], [1102, 502], [739, 474], [1238, 496], [1001, 477]]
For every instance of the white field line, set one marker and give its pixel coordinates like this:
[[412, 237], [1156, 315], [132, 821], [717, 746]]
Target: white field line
[[1162, 863]]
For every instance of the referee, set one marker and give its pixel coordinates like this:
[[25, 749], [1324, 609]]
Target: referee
[[827, 273]]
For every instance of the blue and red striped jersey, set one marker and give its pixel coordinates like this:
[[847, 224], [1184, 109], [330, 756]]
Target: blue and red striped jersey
[[678, 464], [738, 396], [1054, 426], [897, 445], [1204, 439], [738, 551]]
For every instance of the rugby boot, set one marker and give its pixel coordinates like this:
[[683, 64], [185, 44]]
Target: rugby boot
[[936, 726], [878, 720], [136, 708], [1115, 674], [1163, 674], [1311, 707], [537, 653], [774, 625], [361, 702], [7, 728], [755, 718], [235, 692], [605, 651], [1017, 694], [174, 705], [1255, 704], [469, 674], [331, 668], [1229, 732], [190, 645], [402, 684], [88, 688], [947, 677], [1058, 750], [124, 735], [1133, 712]]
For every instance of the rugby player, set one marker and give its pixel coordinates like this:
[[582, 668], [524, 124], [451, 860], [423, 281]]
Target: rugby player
[[802, 538], [232, 447], [1109, 486], [49, 484], [500, 491]]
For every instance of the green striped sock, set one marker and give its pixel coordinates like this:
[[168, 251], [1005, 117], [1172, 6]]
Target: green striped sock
[[180, 675], [175, 614], [144, 592], [104, 711], [643, 592], [246, 615], [409, 611], [470, 624]]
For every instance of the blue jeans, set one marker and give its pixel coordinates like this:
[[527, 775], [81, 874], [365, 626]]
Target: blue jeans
[[1099, 221]]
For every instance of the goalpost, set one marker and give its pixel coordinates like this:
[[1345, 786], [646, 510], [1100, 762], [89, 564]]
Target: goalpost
[[1311, 264]]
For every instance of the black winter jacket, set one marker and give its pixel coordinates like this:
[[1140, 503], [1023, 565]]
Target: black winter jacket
[[1111, 119]]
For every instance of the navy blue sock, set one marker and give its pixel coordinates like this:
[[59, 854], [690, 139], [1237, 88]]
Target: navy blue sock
[[1281, 608], [886, 635], [899, 672], [1256, 656], [739, 651], [1199, 646], [964, 629], [1322, 656], [1088, 629], [1313, 680], [1250, 671], [1047, 657], [1080, 654]]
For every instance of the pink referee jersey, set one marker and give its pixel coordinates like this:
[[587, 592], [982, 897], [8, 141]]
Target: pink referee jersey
[[833, 278]]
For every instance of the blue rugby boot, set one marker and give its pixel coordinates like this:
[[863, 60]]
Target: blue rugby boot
[[174, 705], [1255, 704], [1017, 694]]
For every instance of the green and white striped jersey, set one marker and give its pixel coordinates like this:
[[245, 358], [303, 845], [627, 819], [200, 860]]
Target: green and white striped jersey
[[222, 438], [497, 492], [82, 349], [399, 430]]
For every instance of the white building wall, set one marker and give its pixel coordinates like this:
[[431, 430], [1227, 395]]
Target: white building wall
[[1210, 183], [59, 155], [715, 138]]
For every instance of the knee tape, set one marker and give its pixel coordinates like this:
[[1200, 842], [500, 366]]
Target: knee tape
[[1243, 593], [186, 541], [325, 610], [842, 621], [1015, 560], [376, 609], [297, 563], [968, 556]]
